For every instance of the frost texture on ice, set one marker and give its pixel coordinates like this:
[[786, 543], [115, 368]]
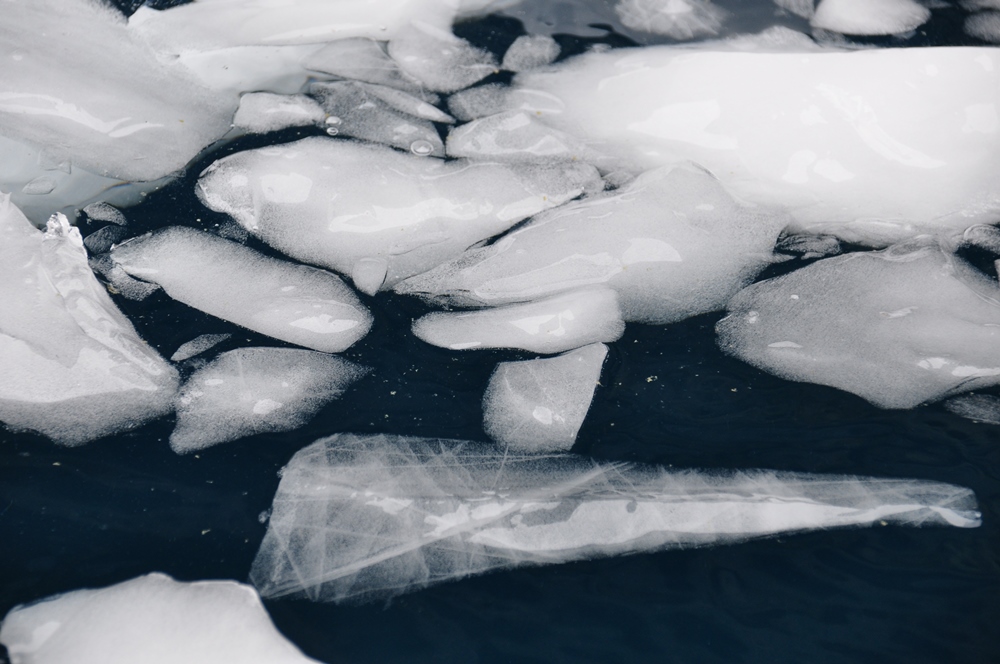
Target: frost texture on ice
[[105, 212], [977, 407], [679, 19], [539, 405], [870, 17], [295, 303], [257, 390], [73, 367], [984, 25], [376, 214], [530, 52], [550, 325], [900, 327], [261, 112], [360, 518], [438, 59], [150, 619], [855, 144], [673, 244], [197, 346]]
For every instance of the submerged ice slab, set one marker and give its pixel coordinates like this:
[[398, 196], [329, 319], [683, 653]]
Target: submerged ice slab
[[540, 405], [150, 619], [257, 390], [295, 303], [73, 367], [899, 327], [549, 325], [673, 244], [376, 214], [367, 517], [856, 144]]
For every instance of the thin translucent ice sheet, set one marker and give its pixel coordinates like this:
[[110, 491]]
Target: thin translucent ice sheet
[[368, 517]]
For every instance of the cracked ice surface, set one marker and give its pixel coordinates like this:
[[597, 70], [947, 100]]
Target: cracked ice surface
[[360, 518]]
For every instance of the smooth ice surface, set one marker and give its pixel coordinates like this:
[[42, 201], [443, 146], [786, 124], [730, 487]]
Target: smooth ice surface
[[150, 619], [374, 213], [978, 407], [679, 19], [539, 405], [852, 143], [197, 346], [261, 112], [257, 390], [899, 327], [870, 17], [367, 517], [673, 244], [530, 52], [73, 367], [96, 96], [438, 59], [295, 303], [550, 325]]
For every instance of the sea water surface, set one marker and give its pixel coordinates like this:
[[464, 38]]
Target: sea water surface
[[127, 505]]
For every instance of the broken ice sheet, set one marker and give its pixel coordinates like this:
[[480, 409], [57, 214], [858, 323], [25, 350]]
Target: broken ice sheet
[[899, 327], [539, 405], [360, 518], [257, 390], [549, 325], [74, 368], [150, 619], [295, 303], [673, 244], [374, 213]]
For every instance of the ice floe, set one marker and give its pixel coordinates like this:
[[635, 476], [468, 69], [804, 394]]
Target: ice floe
[[977, 407], [673, 244], [679, 19], [530, 52], [261, 112], [359, 518], [74, 368], [295, 303], [899, 327], [539, 405], [151, 619], [870, 17], [376, 214], [197, 346], [438, 59], [257, 390]]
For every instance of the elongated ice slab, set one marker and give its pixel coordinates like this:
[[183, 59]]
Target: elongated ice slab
[[295, 303], [374, 213], [673, 244], [73, 367], [150, 619], [257, 390], [539, 405], [900, 327], [855, 144], [261, 112], [367, 517]]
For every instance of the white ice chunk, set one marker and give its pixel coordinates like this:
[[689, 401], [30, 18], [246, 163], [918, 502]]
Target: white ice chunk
[[516, 136], [540, 405], [374, 204], [855, 144], [105, 212], [673, 243], [367, 517], [984, 25], [73, 367], [361, 59], [150, 619], [679, 19], [438, 59], [257, 390], [977, 407], [197, 346], [480, 101], [97, 96], [549, 325], [295, 303], [261, 112], [530, 52], [898, 328], [870, 17]]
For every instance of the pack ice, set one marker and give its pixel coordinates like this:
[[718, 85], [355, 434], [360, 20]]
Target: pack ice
[[855, 144], [899, 327], [295, 303], [257, 390], [539, 405], [74, 368], [151, 619], [673, 244], [376, 214], [359, 518]]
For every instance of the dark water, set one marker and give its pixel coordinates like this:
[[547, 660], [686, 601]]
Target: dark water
[[127, 505]]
